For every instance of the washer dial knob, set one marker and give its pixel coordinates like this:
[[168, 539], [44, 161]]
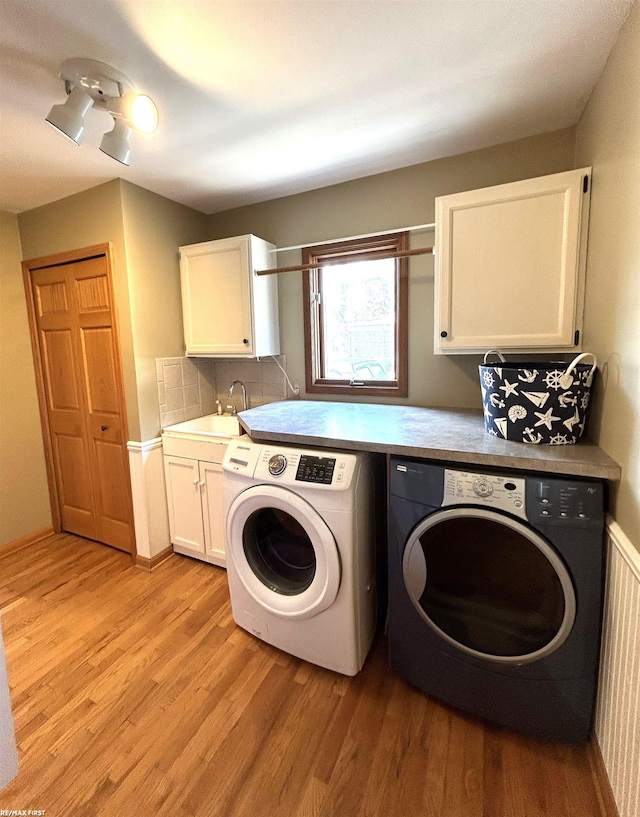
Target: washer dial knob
[[482, 487], [277, 464]]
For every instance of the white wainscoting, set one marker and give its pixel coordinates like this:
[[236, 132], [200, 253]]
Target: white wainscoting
[[150, 514], [617, 721]]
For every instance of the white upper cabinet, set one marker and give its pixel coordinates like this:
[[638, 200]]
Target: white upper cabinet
[[510, 265], [227, 310]]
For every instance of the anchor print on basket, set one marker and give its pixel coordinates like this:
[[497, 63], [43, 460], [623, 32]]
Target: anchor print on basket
[[537, 403]]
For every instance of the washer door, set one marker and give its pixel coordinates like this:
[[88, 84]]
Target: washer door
[[489, 585], [282, 551]]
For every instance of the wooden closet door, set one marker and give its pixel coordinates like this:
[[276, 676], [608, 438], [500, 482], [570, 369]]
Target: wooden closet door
[[83, 396], [58, 332], [102, 394]]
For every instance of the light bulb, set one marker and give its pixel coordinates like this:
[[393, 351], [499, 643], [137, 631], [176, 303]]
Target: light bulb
[[142, 113]]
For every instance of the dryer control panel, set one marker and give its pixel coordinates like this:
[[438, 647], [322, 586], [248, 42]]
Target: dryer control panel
[[487, 490]]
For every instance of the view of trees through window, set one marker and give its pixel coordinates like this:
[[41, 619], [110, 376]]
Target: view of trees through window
[[359, 314], [355, 305]]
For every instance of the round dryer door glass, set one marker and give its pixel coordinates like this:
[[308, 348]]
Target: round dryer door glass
[[279, 551], [489, 585]]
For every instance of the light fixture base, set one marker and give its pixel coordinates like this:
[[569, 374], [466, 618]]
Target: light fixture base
[[99, 80]]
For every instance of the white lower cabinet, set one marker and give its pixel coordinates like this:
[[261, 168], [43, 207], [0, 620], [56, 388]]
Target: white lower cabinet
[[194, 497]]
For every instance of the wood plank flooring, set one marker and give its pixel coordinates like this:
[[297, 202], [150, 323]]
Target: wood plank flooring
[[135, 694]]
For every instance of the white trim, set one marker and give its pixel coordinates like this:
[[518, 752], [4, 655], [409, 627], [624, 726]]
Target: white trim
[[414, 229], [626, 547], [148, 445], [150, 513], [617, 717]]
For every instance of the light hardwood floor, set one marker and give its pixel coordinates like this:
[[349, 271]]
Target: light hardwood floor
[[135, 694]]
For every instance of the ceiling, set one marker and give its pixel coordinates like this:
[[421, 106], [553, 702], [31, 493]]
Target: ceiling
[[264, 99]]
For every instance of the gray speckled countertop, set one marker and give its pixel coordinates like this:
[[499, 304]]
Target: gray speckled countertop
[[456, 435]]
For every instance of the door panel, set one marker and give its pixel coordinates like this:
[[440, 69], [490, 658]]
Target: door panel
[[100, 370], [84, 399], [213, 508], [182, 478], [51, 298], [62, 388], [76, 500], [92, 290], [112, 494]]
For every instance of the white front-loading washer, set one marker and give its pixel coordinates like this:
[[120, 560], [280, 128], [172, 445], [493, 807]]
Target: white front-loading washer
[[300, 545]]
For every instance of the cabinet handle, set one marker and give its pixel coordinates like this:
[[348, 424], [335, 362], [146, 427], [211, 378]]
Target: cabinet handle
[[201, 485], [103, 428], [443, 334], [245, 341], [196, 482]]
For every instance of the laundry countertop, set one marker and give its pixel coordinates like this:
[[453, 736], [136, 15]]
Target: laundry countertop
[[452, 435]]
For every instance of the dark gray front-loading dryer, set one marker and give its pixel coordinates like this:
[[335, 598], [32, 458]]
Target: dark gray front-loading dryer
[[495, 593]]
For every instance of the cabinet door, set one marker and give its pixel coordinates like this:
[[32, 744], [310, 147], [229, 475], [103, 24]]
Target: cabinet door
[[510, 265], [212, 511], [182, 478], [216, 300]]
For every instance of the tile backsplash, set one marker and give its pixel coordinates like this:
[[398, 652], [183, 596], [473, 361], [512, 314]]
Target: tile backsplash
[[188, 387]]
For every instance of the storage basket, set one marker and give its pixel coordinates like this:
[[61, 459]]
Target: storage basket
[[539, 402]]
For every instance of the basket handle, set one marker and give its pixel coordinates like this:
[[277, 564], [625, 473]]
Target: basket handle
[[493, 352], [567, 379]]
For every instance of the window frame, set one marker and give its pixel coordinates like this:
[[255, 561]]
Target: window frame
[[313, 322]]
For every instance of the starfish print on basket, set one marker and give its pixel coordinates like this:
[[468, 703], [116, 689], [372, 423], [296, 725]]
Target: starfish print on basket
[[509, 388], [546, 419]]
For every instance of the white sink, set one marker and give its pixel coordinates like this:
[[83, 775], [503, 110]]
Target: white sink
[[211, 425]]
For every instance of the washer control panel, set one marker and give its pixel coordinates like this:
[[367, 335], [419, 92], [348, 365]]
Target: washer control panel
[[294, 466], [316, 469], [486, 490]]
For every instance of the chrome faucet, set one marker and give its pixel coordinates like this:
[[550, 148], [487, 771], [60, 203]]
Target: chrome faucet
[[244, 392]]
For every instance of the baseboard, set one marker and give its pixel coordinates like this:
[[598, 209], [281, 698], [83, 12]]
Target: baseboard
[[26, 541], [147, 564]]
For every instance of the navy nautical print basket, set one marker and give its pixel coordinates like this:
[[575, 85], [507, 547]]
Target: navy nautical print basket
[[540, 402]]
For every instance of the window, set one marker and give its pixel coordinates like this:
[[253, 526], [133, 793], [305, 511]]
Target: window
[[355, 315]]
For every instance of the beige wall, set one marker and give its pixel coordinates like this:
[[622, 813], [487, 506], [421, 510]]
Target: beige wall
[[154, 228], [24, 496], [608, 137], [383, 202], [83, 220], [145, 231]]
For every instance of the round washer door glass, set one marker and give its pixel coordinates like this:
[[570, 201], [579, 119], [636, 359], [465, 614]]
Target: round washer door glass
[[279, 550], [282, 551], [489, 585]]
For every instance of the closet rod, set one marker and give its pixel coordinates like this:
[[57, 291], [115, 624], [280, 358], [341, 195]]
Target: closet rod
[[365, 256], [356, 237]]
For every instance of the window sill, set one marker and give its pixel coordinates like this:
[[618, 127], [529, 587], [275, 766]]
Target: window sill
[[378, 390]]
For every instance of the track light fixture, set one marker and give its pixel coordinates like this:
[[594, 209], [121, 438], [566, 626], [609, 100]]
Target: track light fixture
[[90, 83]]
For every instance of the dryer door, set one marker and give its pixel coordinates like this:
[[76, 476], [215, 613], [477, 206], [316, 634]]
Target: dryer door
[[283, 552], [489, 585]]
